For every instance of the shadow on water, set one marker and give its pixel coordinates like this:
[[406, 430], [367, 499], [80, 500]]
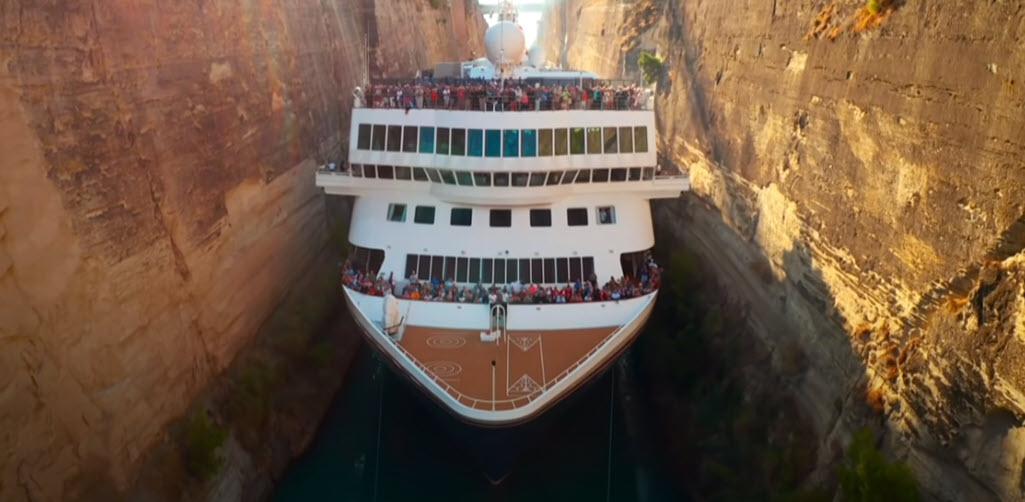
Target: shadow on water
[[419, 460]]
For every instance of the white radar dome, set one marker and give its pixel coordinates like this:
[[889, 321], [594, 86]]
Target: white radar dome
[[504, 43], [536, 56]]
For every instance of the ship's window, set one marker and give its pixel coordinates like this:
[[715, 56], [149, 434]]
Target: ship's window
[[562, 141], [402, 173], [540, 217], [369, 171], [458, 141], [584, 176], [423, 269], [450, 267], [568, 176], [520, 179], [377, 142], [554, 177], [525, 270], [487, 267], [611, 140], [462, 264], [641, 139], [385, 172], [588, 268], [511, 271], [448, 177], [409, 139], [492, 143], [562, 270], [544, 142], [433, 175], [501, 179], [475, 143], [462, 216], [537, 271], [424, 214], [482, 179], [443, 140], [576, 140], [649, 173], [512, 143], [537, 179], [437, 268], [394, 138], [626, 144], [464, 178], [501, 217], [363, 139], [593, 140], [549, 270], [635, 174], [576, 216], [600, 175], [397, 212], [411, 263], [475, 270], [606, 215], [499, 271], [528, 145], [357, 170], [426, 140], [419, 174], [574, 269], [618, 174]]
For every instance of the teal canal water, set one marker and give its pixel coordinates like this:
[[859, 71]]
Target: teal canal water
[[416, 459]]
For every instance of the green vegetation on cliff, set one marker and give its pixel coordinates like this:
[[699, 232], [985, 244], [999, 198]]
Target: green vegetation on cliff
[[867, 475], [651, 66], [202, 439]]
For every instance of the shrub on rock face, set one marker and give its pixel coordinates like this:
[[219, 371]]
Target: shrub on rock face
[[866, 475], [877, 6], [651, 67], [202, 439]]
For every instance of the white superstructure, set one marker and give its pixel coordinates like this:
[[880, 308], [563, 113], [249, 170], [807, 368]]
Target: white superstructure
[[497, 197]]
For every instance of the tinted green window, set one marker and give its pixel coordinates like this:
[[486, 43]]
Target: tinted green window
[[443, 140], [402, 172], [493, 143], [593, 140], [641, 139], [448, 177], [433, 175], [544, 142], [475, 145], [528, 143], [424, 214], [611, 140], [626, 144], [482, 179], [576, 140], [426, 140], [419, 174], [458, 142], [377, 142], [461, 217], [363, 140], [394, 138], [512, 143], [561, 141], [501, 179], [409, 139], [465, 178]]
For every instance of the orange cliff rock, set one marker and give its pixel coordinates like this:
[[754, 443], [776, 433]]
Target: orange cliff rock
[[156, 200]]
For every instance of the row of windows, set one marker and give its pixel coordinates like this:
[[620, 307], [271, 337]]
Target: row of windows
[[502, 142], [500, 270], [463, 216], [503, 179]]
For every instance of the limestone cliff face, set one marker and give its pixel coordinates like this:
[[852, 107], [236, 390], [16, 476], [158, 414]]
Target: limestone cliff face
[[878, 163], [157, 200]]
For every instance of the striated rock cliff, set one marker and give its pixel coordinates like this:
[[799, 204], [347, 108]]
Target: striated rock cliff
[[877, 162], [156, 200]]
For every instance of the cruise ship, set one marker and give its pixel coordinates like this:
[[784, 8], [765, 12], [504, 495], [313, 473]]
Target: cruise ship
[[501, 228]]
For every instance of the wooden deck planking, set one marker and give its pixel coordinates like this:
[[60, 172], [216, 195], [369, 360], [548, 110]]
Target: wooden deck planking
[[525, 361]]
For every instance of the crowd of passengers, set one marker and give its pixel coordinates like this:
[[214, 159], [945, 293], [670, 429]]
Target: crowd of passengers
[[448, 291], [513, 96]]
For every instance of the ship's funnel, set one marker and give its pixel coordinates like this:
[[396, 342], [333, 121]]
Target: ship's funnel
[[504, 43]]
